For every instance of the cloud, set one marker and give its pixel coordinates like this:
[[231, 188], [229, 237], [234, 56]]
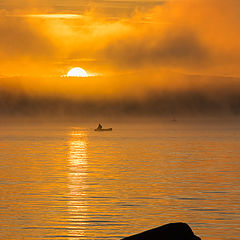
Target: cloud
[[20, 39], [173, 48], [189, 35], [111, 8], [174, 34]]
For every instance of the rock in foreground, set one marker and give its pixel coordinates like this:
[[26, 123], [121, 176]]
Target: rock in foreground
[[171, 231]]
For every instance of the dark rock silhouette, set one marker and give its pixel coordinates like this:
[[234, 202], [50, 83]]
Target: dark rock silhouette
[[171, 231]]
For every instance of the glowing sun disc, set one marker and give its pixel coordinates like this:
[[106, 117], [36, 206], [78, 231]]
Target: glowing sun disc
[[77, 72]]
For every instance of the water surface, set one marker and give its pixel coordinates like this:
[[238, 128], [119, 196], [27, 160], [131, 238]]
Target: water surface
[[65, 181]]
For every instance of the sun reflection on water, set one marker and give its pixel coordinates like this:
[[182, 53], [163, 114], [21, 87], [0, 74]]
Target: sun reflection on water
[[77, 163]]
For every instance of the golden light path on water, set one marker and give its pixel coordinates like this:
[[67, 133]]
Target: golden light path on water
[[77, 160]]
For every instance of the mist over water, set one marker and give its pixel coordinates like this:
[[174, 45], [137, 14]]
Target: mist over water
[[62, 180], [207, 101]]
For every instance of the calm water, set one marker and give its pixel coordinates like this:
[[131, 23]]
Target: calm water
[[65, 181]]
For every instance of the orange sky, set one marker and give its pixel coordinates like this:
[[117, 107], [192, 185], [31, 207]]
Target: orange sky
[[134, 46]]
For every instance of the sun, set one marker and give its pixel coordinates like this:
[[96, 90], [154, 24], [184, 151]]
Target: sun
[[77, 72]]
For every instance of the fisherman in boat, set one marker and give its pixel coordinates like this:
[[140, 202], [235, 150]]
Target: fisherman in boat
[[99, 127]]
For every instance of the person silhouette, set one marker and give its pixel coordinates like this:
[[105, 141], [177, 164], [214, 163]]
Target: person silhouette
[[99, 126]]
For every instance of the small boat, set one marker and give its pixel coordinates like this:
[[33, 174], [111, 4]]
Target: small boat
[[102, 129]]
